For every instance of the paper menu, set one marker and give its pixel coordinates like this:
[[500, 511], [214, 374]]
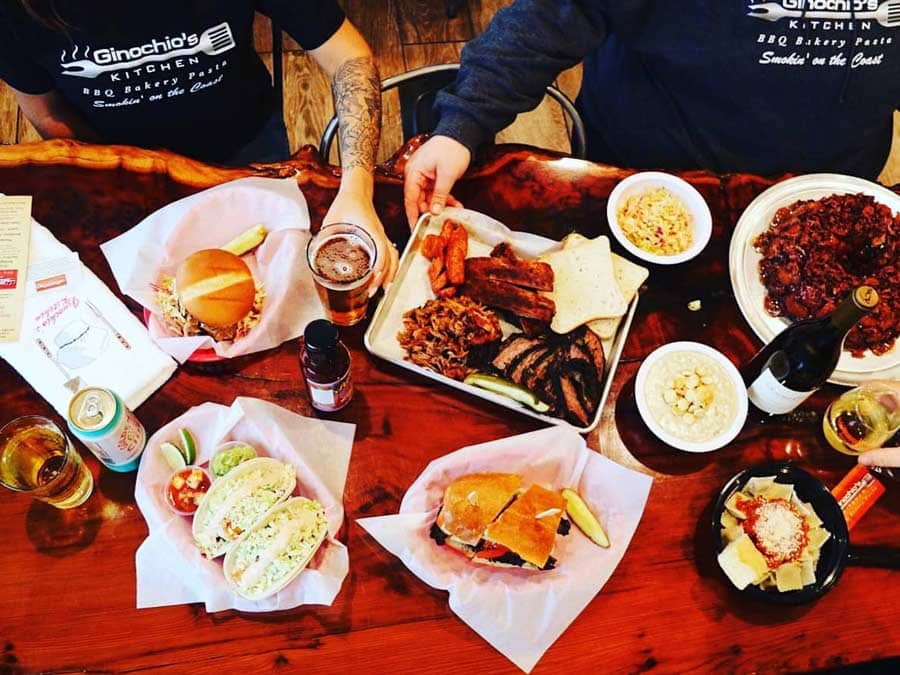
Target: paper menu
[[15, 231]]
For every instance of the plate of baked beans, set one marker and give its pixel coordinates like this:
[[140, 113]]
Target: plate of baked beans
[[803, 245]]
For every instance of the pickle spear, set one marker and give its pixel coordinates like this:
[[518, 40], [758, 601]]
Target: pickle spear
[[246, 241], [509, 389], [585, 520]]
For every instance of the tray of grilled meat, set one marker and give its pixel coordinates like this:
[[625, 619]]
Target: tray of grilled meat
[[528, 323]]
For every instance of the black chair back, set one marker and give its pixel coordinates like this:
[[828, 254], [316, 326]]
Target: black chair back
[[418, 89]]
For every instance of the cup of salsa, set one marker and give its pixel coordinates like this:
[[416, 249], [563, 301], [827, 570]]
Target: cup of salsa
[[185, 488]]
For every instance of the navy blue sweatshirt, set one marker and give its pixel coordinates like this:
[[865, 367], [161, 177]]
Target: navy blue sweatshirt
[[726, 85]]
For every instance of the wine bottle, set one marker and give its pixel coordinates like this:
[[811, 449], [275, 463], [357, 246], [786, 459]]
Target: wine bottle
[[801, 358]]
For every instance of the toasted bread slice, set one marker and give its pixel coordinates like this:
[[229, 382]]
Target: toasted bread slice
[[473, 501], [528, 527]]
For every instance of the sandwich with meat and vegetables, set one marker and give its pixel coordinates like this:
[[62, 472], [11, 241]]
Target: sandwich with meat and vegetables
[[212, 293], [492, 521]]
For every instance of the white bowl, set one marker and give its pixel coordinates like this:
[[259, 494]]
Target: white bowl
[[740, 391], [693, 200]]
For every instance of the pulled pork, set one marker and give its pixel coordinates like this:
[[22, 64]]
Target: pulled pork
[[180, 322], [449, 335]]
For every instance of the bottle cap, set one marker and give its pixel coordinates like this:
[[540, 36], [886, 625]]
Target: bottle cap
[[865, 297], [320, 335]]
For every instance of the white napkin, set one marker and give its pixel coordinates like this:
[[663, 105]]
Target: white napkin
[[519, 612], [82, 341], [209, 219], [170, 569]]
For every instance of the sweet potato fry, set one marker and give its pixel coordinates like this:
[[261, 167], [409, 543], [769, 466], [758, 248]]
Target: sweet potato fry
[[435, 269], [457, 248], [447, 292], [439, 282], [447, 229], [433, 246]]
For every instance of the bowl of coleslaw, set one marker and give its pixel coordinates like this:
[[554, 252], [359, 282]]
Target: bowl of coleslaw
[[659, 218]]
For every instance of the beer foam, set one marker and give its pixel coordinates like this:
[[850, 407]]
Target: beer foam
[[343, 259]]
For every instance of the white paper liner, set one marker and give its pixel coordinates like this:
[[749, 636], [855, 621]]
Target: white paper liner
[[170, 569], [210, 219], [519, 612]]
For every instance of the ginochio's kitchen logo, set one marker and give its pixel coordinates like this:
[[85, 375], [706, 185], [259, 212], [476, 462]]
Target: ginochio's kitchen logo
[[885, 12], [212, 42]]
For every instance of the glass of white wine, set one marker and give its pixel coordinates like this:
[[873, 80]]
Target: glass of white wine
[[864, 418], [37, 459]]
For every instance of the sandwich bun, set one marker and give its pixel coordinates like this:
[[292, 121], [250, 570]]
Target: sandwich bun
[[215, 287]]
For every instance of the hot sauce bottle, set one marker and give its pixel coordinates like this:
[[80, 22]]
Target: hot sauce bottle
[[326, 366]]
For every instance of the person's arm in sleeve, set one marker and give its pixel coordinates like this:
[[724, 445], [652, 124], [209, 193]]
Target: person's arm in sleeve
[[53, 116], [337, 46], [41, 103], [503, 72]]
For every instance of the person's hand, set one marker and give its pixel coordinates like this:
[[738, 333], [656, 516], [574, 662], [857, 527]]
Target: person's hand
[[888, 394], [357, 209], [881, 457], [430, 175]]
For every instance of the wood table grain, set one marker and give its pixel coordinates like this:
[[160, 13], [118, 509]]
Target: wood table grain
[[67, 587]]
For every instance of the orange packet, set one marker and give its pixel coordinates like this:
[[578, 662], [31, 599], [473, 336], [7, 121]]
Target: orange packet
[[857, 493]]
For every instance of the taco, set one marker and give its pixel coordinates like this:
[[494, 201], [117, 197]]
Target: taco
[[273, 552], [238, 500]]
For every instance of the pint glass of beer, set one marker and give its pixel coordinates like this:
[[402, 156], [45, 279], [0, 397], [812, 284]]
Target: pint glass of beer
[[342, 258], [37, 459]]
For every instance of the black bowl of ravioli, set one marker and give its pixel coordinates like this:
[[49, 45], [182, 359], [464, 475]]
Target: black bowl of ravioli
[[832, 555]]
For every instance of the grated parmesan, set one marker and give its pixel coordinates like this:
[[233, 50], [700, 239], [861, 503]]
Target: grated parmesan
[[777, 529], [656, 221]]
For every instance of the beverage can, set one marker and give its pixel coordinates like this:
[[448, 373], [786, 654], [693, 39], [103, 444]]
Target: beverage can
[[102, 421]]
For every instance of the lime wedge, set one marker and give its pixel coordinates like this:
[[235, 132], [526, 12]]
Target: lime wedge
[[172, 454], [509, 389], [188, 446]]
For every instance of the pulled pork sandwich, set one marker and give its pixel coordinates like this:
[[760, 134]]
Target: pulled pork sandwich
[[489, 519], [212, 293]]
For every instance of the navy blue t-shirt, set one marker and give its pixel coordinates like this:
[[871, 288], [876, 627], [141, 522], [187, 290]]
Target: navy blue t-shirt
[[726, 85], [178, 74]]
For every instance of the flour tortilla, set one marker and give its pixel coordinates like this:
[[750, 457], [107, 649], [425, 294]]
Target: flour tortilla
[[228, 508], [584, 285], [250, 565]]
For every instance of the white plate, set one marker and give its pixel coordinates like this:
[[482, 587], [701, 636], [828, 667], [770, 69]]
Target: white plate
[[411, 289], [719, 441], [749, 290]]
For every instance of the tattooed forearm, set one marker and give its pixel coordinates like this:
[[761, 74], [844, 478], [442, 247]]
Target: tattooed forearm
[[357, 101]]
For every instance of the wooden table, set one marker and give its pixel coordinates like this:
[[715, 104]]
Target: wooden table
[[67, 588]]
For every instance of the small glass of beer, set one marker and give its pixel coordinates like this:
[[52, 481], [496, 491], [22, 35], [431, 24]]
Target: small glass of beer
[[342, 259], [38, 459]]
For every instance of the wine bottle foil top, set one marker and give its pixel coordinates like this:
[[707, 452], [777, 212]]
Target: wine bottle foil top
[[865, 297]]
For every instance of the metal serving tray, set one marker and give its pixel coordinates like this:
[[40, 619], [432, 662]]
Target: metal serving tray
[[411, 289]]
